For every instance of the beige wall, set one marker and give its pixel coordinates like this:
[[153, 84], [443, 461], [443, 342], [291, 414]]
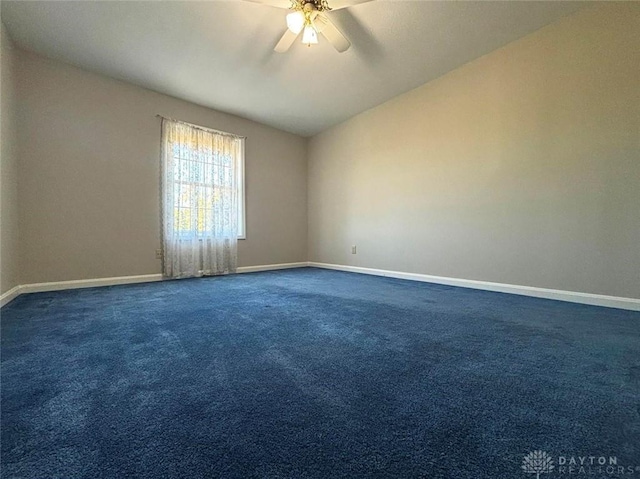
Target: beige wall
[[521, 167], [89, 169], [9, 257]]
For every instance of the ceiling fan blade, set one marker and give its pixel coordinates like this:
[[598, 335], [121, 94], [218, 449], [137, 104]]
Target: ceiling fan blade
[[272, 3], [286, 41], [338, 4], [331, 33]]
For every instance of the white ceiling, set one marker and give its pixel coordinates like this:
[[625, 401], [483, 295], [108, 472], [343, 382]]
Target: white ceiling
[[220, 54]]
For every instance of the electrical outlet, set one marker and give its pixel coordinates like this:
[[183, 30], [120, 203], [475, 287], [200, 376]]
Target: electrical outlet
[[158, 254], [353, 249]]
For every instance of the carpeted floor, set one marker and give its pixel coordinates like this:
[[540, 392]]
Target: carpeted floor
[[311, 374]]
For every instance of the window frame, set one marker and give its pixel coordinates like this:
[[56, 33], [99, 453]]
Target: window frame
[[242, 205]]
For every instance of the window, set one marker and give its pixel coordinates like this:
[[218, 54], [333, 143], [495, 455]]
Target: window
[[207, 181], [202, 200]]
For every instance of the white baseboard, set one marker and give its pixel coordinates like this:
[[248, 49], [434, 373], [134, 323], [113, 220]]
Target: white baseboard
[[560, 295], [75, 284], [271, 267], [88, 283], [144, 278], [10, 295]]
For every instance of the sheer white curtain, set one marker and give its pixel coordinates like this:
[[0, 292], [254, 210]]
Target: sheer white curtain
[[199, 200]]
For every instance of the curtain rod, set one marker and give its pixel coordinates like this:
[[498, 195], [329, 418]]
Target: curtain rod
[[204, 128]]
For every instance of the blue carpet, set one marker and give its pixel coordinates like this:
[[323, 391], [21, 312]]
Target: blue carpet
[[311, 374]]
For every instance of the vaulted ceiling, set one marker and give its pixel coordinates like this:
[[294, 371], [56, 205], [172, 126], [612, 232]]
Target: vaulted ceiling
[[220, 54]]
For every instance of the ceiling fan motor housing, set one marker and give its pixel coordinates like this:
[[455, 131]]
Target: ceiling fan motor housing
[[310, 5]]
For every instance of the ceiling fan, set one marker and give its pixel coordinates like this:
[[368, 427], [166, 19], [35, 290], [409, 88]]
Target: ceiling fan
[[309, 18]]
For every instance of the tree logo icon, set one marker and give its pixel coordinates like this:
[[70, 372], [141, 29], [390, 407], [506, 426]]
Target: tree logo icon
[[537, 462]]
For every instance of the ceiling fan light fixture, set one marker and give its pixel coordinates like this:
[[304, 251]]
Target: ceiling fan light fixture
[[309, 36], [295, 22], [309, 18]]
